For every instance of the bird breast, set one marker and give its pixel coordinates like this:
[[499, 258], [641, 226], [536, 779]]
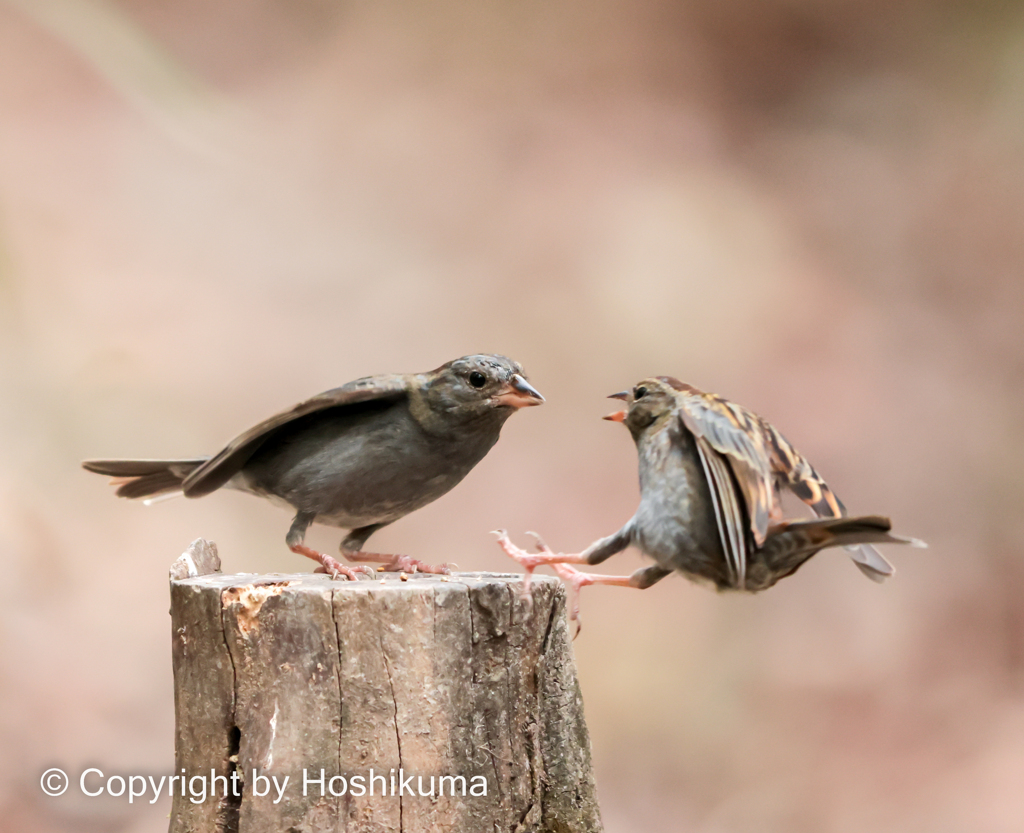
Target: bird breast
[[675, 523]]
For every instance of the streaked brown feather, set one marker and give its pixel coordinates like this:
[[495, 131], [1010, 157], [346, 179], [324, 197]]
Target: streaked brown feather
[[734, 431]]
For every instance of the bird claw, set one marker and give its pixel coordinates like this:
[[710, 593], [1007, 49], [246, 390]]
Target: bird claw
[[538, 543], [329, 565], [335, 569], [529, 561], [526, 561], [394, 563], [575, 581]]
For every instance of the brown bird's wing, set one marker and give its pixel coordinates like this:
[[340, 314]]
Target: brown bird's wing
[[220, 468], [762, 459], [728, 513], [792, 470], [735, 432]]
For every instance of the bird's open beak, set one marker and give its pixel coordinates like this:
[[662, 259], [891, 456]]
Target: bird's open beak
[[618, 416], [518, 393]]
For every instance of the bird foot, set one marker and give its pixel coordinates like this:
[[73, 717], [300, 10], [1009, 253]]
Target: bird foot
[[329, 565], [544, 555], [527, 561], [531, 561], [575, 580], [340, 569], [396, 563]]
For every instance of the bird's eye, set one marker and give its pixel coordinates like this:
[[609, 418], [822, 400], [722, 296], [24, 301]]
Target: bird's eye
[[477, 379], [640, 392]]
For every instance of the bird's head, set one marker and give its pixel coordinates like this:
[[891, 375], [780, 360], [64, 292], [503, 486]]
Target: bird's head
[[478, 386], [649, 402]]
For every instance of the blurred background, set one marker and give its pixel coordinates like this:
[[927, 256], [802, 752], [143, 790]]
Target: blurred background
[[813, 207]]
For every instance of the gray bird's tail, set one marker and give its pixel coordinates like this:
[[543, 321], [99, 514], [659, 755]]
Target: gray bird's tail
[[790, 544], [145, 478]]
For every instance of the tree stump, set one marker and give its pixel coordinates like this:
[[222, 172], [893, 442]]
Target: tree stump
[[366, 695]]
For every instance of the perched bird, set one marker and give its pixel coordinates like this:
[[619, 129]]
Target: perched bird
[[357, 457], [710, 478]]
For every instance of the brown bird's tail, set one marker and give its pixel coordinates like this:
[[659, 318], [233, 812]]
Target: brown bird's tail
[[790, 544], [145, 478]]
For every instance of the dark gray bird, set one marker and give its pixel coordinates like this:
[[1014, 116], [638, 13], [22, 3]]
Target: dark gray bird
[[358, 457], [710, 477]]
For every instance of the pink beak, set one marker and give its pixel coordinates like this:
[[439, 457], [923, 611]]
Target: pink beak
[[519, 393]]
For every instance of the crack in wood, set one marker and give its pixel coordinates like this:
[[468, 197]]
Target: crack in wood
[[465, 684], [398, 731]]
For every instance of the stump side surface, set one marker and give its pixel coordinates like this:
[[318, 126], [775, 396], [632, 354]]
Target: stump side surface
[[296, 675]]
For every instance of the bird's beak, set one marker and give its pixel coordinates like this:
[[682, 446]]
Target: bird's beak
[[518, 393], [618, 416]]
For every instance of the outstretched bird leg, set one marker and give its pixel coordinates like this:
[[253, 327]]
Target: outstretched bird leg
[[351, 548], [577, 579], [599, 551], [531, 561]]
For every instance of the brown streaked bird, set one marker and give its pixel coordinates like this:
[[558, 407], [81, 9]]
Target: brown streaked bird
[[357, 457], [710, 478]]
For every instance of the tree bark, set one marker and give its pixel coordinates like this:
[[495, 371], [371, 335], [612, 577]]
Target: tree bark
[[450, 682]]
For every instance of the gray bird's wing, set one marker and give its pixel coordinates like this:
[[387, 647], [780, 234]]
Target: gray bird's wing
[[728, 512], [220, 468], [736, 433]]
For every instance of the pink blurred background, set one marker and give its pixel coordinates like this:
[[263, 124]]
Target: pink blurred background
[[210, 211]]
